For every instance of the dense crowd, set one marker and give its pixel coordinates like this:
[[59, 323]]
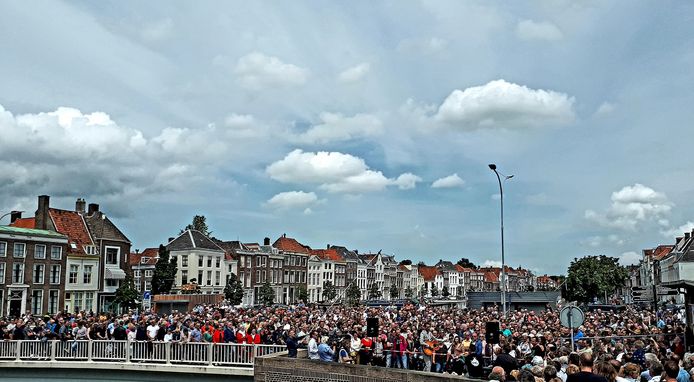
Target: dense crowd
[[630, 344]]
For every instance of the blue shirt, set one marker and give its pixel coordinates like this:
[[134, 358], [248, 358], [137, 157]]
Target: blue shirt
[[683, 376], [325, 353]]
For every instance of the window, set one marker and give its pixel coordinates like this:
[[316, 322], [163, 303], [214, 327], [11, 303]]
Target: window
[[264, 276], [184, 276], [217, 277], [209, 261], [242, 261], [257, 277], [90, 249], [199, 277], [36, 301], [88, 300], [148, 273], [53, 301], [39, 251], [112, 283], [17, 273], [87, 275], [209, 278], [148, 285], [19, 250], [144, 260], [200, 261], [136, 274], [55, 274], [138, 285], [3, 249], [38, 273], [2, 274], [218, 262], [78, 301], [72, 277], [184, 260], [112, 255], [56, 252]]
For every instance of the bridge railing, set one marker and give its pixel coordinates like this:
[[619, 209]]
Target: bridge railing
[[189, 353]]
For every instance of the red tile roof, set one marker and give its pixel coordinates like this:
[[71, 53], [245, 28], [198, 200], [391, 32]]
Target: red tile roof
[[289, 244], [150, 253], [428, 273], [490, 277], [462, 269], [24, 223], [327, 254], [662, 251], [71, 224]]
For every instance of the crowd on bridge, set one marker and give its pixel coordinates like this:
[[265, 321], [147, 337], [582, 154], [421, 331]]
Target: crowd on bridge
[[631, 344]]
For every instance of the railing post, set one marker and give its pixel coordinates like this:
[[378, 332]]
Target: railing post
[[54, 346], [127, 351], [19, 345], [255, 354], [210, 353], [90, 349], [167, 351]]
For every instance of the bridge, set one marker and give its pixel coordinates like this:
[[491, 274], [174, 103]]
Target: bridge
[[207, 361]]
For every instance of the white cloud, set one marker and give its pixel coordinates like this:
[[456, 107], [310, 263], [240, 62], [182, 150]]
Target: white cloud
[[423, 46], [629, 258], [334, 172], [157, 30], [448, 182], [542, 30], [292, 199], [505, 105], [257, 71], [335, 127], [604, 109], [678, 231], [632, 206], [355, 73], [491, 263]]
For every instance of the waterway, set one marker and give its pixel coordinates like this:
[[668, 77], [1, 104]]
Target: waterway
[[87, 375]]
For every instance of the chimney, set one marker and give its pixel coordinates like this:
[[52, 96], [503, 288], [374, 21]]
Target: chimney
[[171, 239], [686, 236], [266, 241], [356, 251], [80, 204], [14, 215], [93, 207], [328, 246], [42, 212]]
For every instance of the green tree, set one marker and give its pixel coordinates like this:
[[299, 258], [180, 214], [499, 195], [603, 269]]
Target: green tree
[[593, 276], [394, 292], [423, 291], [164, 272], [409, 292], [466, 263], [233, 291], [303, 293], [329, 291], [353, 294], [374, 292], [266, 295], [199, 224], [445, 292], [126, 295], [406, 262], [434, 290]]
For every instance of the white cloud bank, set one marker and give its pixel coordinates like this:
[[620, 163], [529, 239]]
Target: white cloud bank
[[335, 127], [355, 73], [633, 206], [257, 71], [450, 181], [538, 30], [292, 199], [334, 172], [629, 258], [505, 105]]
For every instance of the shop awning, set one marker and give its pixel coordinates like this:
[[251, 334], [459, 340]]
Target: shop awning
[[115, 273]]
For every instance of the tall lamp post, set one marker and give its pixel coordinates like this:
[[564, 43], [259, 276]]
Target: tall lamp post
[[9, 213], [492, 167]]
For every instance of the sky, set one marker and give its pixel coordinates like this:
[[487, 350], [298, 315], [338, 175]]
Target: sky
[[368, 124]]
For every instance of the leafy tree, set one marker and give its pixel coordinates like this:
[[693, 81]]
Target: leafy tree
[[445, 292], [466, 263], [164, 272], [266, 295], [394, 292], [409, 292], [423, 290], [329, 291], [303, 293], [353, 294], [593, 276], [126, 294], [199, 224], [421, 264], [233, 291], [434, 290], [374, 291], [406, 262]]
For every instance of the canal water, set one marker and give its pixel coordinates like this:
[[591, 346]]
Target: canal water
[[87, 375]]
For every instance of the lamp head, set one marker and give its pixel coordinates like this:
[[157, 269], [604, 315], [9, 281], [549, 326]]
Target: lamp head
[[492, 166]]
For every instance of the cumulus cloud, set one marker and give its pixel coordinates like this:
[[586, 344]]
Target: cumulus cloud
[[491, 263], [257, 71], [632, 206], [450, 181], [538, 30], [629, 258], [335, 127], [292, 199], [355, 73], [678, 231], [604, 109], [505, 105], [334, 172]]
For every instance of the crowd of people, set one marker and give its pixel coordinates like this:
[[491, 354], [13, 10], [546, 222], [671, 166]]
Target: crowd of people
[[628, 344]]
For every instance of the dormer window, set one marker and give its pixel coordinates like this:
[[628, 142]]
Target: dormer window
[[90, 249], [144, 260]]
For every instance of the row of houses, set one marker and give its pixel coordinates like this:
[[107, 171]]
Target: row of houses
[[76, 259]]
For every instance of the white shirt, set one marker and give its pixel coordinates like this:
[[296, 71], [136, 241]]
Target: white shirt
[[313, 349], [152, 331]]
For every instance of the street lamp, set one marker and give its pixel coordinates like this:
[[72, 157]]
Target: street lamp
[[492, 167], [9, 213]]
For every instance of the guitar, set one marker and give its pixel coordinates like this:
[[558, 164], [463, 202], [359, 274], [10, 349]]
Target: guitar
[[431, 347]]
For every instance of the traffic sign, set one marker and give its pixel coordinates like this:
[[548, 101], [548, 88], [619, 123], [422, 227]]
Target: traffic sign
[[571, 317], [642, 294], [147, 295]]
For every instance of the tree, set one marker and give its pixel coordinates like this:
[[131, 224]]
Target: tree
[[466, 263], [406, 262], [353, 294], [164, 272], [233, 291], [408, 292], [266, 295], [329, 291], [445, 292], [126, 294], [394, 291], [303, 293], [434, 290], [423, 291], [374, 291], [199, 224], [593, 276]]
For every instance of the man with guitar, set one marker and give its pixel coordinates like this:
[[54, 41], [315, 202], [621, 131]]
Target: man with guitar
[[429, 346]]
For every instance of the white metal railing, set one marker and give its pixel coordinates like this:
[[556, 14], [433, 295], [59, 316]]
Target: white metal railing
[[189, 353]]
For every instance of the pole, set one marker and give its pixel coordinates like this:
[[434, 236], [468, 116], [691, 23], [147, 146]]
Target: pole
[[571, 325], [503, 261]]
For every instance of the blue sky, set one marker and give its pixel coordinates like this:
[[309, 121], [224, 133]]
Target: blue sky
[[365, 124]]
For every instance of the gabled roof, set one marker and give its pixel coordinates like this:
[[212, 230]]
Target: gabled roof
[[192, 239], [462, 269], [491, 277], [346, 253], [369, 258], [72, 224], [101, 227], [230, 247], [289, 244], [327, 254], [661, 251], [428, 273], [446, 265], [24, 223], [151, 255]]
